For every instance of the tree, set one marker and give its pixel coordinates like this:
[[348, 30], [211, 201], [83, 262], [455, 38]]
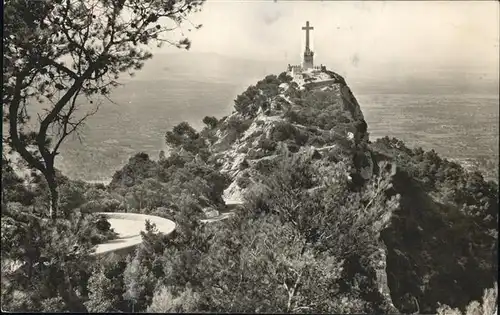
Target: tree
[[106, 286], [284, 77], [249, 101], [58, 51], [210, 121], [186, 137], [163, 301], [53, 258]]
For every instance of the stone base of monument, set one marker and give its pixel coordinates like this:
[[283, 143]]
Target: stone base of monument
[[129, 227]]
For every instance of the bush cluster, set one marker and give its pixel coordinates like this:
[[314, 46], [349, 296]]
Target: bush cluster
[[249, 102]]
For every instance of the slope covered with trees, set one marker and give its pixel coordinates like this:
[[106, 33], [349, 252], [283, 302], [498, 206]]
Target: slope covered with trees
[[66, 56], [330, 221]]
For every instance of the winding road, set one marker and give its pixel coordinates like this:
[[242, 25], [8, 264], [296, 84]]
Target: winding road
[[129, 227]]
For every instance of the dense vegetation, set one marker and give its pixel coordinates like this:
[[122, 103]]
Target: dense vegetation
[[445, 236], [42, 258], [59, 53], [313, 234], [283, 244]]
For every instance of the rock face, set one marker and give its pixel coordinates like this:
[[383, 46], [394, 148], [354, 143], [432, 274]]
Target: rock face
[[316, 116], [272, 127], [210, 212]]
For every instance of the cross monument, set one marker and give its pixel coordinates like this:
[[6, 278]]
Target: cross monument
[[308, 54]]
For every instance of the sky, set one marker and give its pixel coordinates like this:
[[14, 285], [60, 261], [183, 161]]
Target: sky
[[368, 34]]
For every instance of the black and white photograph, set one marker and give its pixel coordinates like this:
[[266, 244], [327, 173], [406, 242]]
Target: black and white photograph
[[250, 156]]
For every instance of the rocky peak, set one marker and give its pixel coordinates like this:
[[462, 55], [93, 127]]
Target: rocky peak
[[313, 114]]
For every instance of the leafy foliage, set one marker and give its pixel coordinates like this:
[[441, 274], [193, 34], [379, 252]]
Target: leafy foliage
[[489, 305], [106, 285], [165, 302], [60, 51], [184, 136], [454, 185], [46, 256], [249, 102], [284, 131], [210, 121], [280, 262], [323, 109], [257, 96], [441, 202], [285, 78], [169, 184], [53, 258]]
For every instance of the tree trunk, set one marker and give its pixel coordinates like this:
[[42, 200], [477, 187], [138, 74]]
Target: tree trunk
[[54, 196]]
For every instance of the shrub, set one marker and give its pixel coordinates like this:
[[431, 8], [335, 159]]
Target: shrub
[[210, 121], [265, 166], [244, 165], [295, 117], [106, 286], [138, 168], [284, 77], [285, 194], [283, 131], [165, 302], [243, 182], [488, 305], [267, 144], [321, 109], [186, 137], [249, 102], [316, 141], [62, 247], [292, 147], [238, 125], [269, 86]]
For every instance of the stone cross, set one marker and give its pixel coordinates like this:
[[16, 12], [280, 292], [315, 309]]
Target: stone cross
[[307, 28]]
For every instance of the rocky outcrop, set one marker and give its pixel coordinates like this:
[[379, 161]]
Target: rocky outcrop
[[315, 115], [271, 132], [210, 212]]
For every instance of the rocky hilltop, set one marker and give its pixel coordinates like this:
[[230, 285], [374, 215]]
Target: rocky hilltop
[[437, 240], [313, 114]]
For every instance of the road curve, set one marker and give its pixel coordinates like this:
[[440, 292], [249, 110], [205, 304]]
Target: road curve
[[129, 227]]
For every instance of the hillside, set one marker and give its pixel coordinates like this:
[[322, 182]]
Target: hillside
[[439, 239], [329, 221]]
